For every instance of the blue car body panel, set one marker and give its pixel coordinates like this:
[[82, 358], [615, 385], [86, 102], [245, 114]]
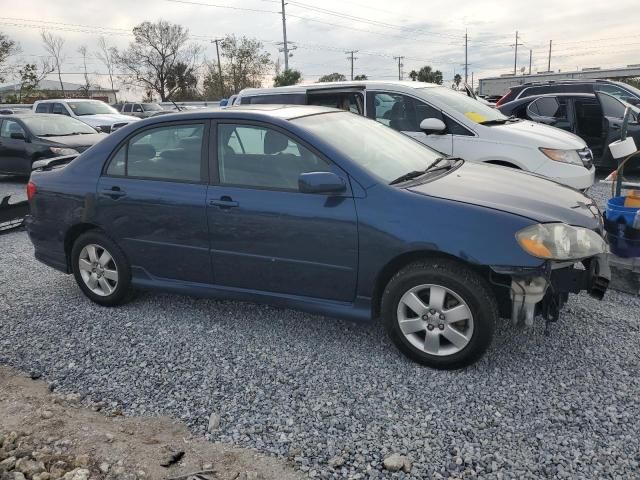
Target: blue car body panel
[[321, 253]]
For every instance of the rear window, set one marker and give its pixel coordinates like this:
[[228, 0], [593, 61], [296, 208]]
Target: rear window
[[275, 99]]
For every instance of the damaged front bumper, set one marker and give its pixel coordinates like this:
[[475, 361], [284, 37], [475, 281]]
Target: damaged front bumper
[[545, 290]]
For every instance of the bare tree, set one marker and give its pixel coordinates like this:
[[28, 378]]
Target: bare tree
[[54, 44], [154, 54], [86, 88], [107, 55]]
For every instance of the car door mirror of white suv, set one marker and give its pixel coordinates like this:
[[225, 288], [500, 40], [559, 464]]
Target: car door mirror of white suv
[[432, 126]]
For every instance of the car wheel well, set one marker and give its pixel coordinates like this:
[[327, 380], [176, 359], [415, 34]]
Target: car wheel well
[[400, 262], [503, 163], [72, 234]]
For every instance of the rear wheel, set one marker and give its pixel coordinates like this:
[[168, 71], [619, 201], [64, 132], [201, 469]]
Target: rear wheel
[[440, 313], [100, 268]]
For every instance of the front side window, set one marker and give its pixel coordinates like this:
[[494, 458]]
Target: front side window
[[261, 157], [137, 108], [59, 109], [127, 108], [9, 127], [169, 153]]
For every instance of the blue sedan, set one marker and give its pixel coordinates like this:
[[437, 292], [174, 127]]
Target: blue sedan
[[320, 210]]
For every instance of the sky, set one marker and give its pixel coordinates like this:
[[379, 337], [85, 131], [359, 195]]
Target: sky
[[424, 32]]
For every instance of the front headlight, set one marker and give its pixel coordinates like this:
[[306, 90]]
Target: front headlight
[[559, 241], [63, 151], [564, 156]]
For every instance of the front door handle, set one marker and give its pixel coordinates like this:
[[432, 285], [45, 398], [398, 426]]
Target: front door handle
[[224, 203], [114, 192]]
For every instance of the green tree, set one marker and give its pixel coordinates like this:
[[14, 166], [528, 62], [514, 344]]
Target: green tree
[[151, 60], [30, 77], [457, 79], [360, 77], [7, 48], [183, 82], [427, 74], [288, 77], [413, 75], [244, 64], [332, 77]]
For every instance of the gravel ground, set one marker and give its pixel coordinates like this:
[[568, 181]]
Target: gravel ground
[[312, 388]]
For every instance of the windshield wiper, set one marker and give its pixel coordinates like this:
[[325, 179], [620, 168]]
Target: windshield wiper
[[408, 176], [495, 121]]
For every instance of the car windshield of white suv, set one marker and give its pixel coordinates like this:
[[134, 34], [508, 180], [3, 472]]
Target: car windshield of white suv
[[472, 109], [56, 126], [386, 153], [151, 107], [91, 108]]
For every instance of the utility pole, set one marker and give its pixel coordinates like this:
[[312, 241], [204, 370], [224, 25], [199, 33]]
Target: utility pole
[[515, 59], [352, 59], [472, 81], [530, 57], [549, 64], [399, 59], [466, 63], [219, 65], [284, 38]]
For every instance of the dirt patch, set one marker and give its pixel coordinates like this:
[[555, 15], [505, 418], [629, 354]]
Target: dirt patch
[[47, 435]]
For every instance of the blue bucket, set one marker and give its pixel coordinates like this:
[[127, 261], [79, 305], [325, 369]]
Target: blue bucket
[[617, 212]]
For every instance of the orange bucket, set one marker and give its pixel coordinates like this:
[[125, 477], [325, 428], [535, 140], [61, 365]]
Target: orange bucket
[[633, 199]]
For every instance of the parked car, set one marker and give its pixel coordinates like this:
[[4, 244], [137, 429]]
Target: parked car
[[321, 210], [596, 118], [140, 110], [449, 122], [92, 112], [25, 138], [620, 90]]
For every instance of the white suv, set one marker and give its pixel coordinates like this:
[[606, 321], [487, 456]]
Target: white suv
[[449, 122], [92, 112]]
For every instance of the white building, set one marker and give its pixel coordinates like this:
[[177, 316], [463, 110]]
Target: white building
[[51, 89]]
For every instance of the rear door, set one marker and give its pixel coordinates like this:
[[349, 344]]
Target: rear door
[[266, 235], [151, 200]]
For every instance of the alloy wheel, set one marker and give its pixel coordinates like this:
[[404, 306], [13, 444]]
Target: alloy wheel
[[435, 319], [98, 269]]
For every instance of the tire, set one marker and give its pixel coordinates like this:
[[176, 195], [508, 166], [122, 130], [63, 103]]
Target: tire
[[105, 280], [442, 334]]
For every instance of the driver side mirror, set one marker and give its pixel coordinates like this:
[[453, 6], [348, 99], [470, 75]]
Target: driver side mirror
[[98, 129], [432, 126], [632, 100], [321, 182], [18, 136]]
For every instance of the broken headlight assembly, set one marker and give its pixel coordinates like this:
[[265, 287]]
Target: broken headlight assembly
[[559, 241]]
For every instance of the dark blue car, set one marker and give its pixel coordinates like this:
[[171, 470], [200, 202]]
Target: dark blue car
[[320, 210]]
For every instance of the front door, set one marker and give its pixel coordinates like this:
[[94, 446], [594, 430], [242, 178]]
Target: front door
[[151, 201], [404, 113], [266, 235], [14, 157]]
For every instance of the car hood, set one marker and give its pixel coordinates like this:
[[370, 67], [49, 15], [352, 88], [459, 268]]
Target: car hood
[[514, 191], [75, 141], [527, 132], [107, 119]]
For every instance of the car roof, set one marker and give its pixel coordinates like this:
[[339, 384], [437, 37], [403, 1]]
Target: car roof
[[301, 88], [283, 112], [51, 100], [531, 98]]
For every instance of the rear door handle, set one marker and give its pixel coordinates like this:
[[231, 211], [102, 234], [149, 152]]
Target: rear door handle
[[113, 192], [224, 203]]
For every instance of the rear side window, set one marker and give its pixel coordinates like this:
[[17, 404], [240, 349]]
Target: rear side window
[[43, 108], [172, 153], [277, 99]]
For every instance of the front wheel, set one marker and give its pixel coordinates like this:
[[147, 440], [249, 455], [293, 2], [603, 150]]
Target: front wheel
[[440, 313], [100, 268]]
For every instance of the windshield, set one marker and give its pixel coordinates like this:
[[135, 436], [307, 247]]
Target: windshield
[[151, 107], [43, 125], [90, 108], [381, 150], [472, 109]]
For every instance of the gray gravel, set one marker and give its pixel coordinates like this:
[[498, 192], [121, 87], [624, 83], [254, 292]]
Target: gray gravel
[[316, 389]]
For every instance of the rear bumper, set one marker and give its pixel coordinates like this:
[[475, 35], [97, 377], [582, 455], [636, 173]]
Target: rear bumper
[[47, 250]]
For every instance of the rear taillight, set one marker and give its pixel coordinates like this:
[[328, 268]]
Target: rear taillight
[[31, 190], [503, 99]]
